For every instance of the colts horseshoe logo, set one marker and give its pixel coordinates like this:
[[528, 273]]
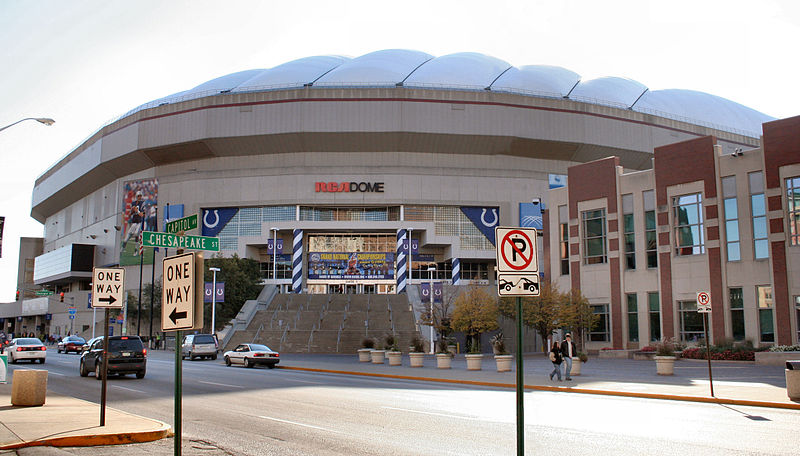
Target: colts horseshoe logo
[[216, 217], [483, 218]]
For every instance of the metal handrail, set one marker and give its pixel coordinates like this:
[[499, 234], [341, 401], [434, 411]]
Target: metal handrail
[[258, 332], [283, 338]]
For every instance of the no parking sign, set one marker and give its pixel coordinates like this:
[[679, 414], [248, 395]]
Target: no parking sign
[[517, 262]]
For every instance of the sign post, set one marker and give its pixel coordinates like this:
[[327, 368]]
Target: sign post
[[704, 307], [518, 275], [181, 309], [107, 287]]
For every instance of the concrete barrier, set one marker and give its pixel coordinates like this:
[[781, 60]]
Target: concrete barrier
[[28, 387]]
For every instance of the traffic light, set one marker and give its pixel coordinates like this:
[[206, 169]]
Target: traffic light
[[17, 296], [61, 296]]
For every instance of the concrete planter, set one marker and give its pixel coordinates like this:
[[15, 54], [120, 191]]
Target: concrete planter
[[474, 361], [395, 358], [28, 387], [503, 362], [576, 367], [643, 355], [793, 384], [443, 360], [417, 359], [377, 356], [665, 365], [364, 355]]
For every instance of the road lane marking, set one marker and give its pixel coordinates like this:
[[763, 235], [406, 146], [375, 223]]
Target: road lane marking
[[220, 384], [129, 389], [447, 415], [298, 424]]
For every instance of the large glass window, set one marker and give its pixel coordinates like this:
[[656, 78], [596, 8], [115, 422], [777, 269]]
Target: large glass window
[[691, 321], [737, 313], [594, 236], [793, 207], [350, 214], [758, 207], [563, 220], [651, 244], [730, 207], [797, 312], [450, 221], [633, 318], [629, 238], [765, 317], [600, 333], [655, 316], [687, 212]]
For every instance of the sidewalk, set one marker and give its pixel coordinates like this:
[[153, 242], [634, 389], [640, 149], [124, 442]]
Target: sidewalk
[[66, 421], [740, 383]]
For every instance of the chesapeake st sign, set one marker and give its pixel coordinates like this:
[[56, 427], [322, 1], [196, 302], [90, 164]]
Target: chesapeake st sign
[[173, 241]]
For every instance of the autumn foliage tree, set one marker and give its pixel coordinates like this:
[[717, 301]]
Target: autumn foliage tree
[[475, 313]]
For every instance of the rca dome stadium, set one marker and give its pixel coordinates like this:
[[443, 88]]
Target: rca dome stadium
[[374, 175]]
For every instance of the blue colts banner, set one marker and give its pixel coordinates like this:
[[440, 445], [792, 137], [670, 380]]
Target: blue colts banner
[[425, 292], [220, 292], [484, 218], [214, 220], [270, 249]]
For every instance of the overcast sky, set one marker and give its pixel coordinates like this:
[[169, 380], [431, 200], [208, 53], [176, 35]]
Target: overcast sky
[[85, 62]]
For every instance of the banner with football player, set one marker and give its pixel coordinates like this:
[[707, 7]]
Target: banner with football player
[[139, 213]]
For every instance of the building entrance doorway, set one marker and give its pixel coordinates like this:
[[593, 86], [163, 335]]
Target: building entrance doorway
[[351, 289], [369, 289], [334, 289]]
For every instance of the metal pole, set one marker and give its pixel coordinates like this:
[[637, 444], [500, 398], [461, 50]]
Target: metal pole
[[105, 372], [431, 295], [213, 301], [274, 256], [520, 385], [178, 393], [94, 319], [139, 312], [708, 352], [152, 288]]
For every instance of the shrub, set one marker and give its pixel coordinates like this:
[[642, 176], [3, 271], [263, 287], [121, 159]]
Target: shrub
[[367, 343], [666, 347], [719, 354], [784, 348], [498, 344], [391, 343], [417, 344], [583, 357]]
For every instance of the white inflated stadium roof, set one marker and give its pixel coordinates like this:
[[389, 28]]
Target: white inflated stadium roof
[[474, 71]]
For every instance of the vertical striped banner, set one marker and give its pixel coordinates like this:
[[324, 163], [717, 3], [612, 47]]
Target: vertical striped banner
[[297, 261], [401, 261], [456, 271]]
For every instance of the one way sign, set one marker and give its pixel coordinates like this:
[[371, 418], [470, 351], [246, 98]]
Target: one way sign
[[180, 306], [107, 287]]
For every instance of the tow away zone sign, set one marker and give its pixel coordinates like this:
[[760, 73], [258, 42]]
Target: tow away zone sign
[[180, 306], [517, 262]]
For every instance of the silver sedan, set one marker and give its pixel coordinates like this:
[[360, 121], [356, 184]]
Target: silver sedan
[[28, 348], [250, 355]]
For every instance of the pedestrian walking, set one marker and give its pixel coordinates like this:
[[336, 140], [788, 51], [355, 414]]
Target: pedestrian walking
[[568, 351], [556, 359]]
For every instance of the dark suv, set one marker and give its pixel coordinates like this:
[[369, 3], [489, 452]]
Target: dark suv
[[126, 355]]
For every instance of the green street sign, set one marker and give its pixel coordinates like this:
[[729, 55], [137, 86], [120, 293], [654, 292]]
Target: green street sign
[[183, 224], [43, 292], [173, 241]]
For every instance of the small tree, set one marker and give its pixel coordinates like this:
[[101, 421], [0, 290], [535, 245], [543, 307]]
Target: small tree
[[577, 314], [441, 312], [242, 277], [475, 313], [541, 313]]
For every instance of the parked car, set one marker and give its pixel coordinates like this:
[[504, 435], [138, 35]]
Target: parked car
[[70, 344], [28, 348], [249, 355], [126, 355], [199, 346]]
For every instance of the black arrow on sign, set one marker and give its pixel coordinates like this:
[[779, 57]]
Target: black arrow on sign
[[109, 300], [175, 315]]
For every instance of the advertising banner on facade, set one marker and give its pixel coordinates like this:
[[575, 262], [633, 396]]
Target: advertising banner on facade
[[530, 215], [484, 218], [139, 209], [351, 266]]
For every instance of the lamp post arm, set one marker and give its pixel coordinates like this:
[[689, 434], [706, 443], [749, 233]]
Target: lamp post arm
[[42, 120]]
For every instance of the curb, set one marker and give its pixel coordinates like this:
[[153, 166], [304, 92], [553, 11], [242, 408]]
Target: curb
[[120, 438], [562, 389]]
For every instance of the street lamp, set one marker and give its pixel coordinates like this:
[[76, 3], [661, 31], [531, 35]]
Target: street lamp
[[431, 270], [274, 256], [42, 120], [213, 299]]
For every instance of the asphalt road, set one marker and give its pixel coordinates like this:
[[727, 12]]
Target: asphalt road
[[239, 411]]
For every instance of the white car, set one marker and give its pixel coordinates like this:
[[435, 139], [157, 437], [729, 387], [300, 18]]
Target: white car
[[249, 355], [28, 348]]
